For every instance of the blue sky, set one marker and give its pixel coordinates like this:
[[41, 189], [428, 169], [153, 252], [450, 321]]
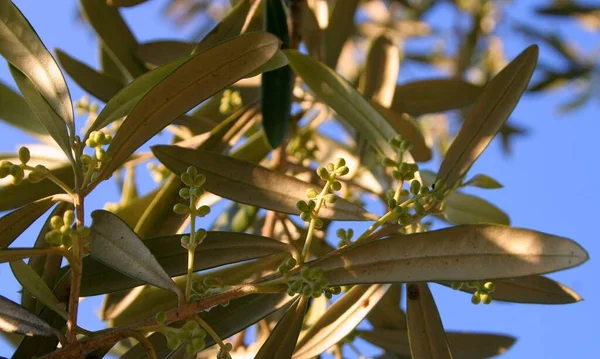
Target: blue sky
[[550, 184]]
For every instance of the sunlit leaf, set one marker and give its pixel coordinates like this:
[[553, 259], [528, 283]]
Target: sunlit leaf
[[16, 319], [461, 253], [381, 73], [99, 85], [114, 244], [114, 33], [339, 320], [217, 249], [53, 123], [534, 289], [251, 184], [425, 330], [493, 106], [483, 181], [21, 46], [282, 341], [32, 282], [434, 95], [341, 23], [190, 84], [460, 208], [16, 222], [158, 53], [15, 111]]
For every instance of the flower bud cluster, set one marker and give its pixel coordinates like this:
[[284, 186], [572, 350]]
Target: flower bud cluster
[[17, 171], [345, 236], [230, 101], [302, 146], [63, 233], [205, 287], [311, 283], [192, 192], [482, 292], [190, 332]]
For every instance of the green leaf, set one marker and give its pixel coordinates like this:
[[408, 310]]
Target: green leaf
[[381, 72], [434, 95], [16, 319], [341, 25], [225, 321], [114, 33], [425, 330], [277, 85], [21, 46], [339, 320], [535, 289], [387, 313], [53, 123], [109, 66], [16, 222], [282, 341], [490, 112], [117, 246], [254, 149], [460, 208], [158, 53], [483, 181], [99, 85], [235, 218], [234, 23], [190, 84], [15, 111], [125, 3], [32, 282], [15, 196], [251, 184], [217, 249], [463, 345], [567, 9], [461, 253]]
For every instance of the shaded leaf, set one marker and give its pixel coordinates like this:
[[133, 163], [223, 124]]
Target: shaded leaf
[[190, 84], [158, 53], [339, 320], [341, 24], [53, 123], [461, 253], [125, 3], [117, 246], [567, 9], [32, 282], [425, 330], [483, 181], [493, 106], [460, 208], [21, 46], [217, 249], [15, 111], [381, 73], [434, 95], [109, 66], [387, 313], [534, 289], [16, 222], [282, 341], [16, 319], [114, 33], [99, 85], [277, 85], [251, 184], [338, 94]]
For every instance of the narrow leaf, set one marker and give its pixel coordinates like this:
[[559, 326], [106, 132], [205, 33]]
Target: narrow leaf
[[16, 319], [387, 313], [497, 101], [15, 111], [338, 94], [534, 289], [190, 84], [99, 85], [217, 249], [282, 341], [16, 222], [461, 253], [483, 181], [32, 282], [117, 246], [109, 66], [251, 184], [114, 34], [21, 46], [53, 123], [434, 95], [339, 320], [461, 208], [425, 330], [276, 90], [341, 24], [158, 53], [125, 3], [381, 73]]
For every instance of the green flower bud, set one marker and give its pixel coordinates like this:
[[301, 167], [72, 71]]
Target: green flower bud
[[172, 340], [296, 286], [472, 284], [475, 299], [290, 262], [193, 171], [312, 193], [415, 187], [323, 282], [185, 241], [342, 171], [330, 198], [4, 171], [485, 298], [322, 173], [336, 185], [457, 285], [290, 292], [350, 233], [98, 137], [403, 168], [340, 163], [53, 237], [107, 139], [202, 211], [405, 145], [305, 273], [187, 179], [199, 180], [317, 293], [397, 175], [200, 235], [56, 222], [398, 210], [83, 232], [341, 233], [283, 269], [181, 208], [24, 155], [489, 286], [34, 177], [306, 216], [315, 273], [66, 228], [336, 290], [190, 326], [18, 174], [160, 317], [100, 154], [91, 143], [328, 295], [196, 192], [396, 141], [66, 239], [306, 291], [318, 223], [69, 217], [302, 206], [413, 167], [330, 167], [184, 193], [392, 203], [388, 162]]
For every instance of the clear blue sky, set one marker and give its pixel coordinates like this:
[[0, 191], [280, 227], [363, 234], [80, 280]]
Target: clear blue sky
[[551, 185]]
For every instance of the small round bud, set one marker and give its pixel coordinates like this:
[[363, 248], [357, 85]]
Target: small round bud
[[312, 205], [24, 155], [475, 299], [187, 179], [199, 180], [398, 176], [290, 262], [160, 317], [330, 167], [306, 291], [184, 193], [69, 217], [489, 286], [100, 154], [388, 162], [305, 216], [35, 177], [457, 285], [485, 298], [91, 143], [193, 171], [403, 168], [56, 222], [85, 159], [196, 192], [340, 163], [415, 187], [296, 286], [98, 137], [200, 235], [336, 185], [336, 290], [203, 211], [315, 273], [65, 228], [196, 345], [190, 326], [405, 145], [342, 171], [472, 284], [322, 173], [350, 233], [341, 233], [18, 174], [312, 193], [305, 273], [398, 210], [4, 171], [107, 139], [83, 232], [392, 203], [330, 198], [172, 340], [185, 241], [302, 206], [181, 208], [318, 223], [396, 141]]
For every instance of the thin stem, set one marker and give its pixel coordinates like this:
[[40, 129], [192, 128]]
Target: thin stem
[[313, 221], [400, 182], [54, 179], [382, 220], [211, 332], [144, 341], [76, 273], [88, 174], [191, 250]]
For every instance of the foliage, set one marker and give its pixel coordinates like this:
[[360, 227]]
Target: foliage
[[180, 290]]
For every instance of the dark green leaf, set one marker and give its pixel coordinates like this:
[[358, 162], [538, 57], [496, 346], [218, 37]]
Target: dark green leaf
[[16, 222], [15, 111], [341, 24]]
